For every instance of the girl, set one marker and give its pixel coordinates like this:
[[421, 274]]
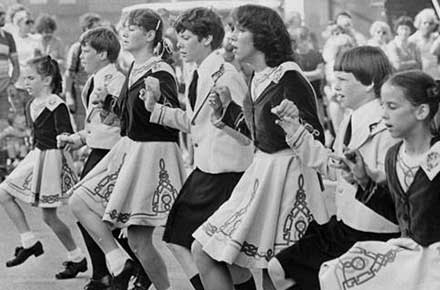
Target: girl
[[46, 174], [404, 55], [136, 183], [276, 198], [380, 34], [410, 101]]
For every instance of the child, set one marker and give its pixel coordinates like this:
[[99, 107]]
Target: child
[[46, 174], [219, 159], [276, 198], [99, 52], [410, 197], [136, 183], [359, 73]]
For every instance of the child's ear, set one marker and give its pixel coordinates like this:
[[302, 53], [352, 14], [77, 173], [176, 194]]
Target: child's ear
[[103, 55], [422, 112], [47, 81], [206, 41], [151, 34], [370, 88]]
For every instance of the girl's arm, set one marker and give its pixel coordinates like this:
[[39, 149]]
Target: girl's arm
[[62, 120]]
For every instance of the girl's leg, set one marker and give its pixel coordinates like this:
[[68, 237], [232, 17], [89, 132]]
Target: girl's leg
[[242, 278], [267, 282], [186, 261], [215, 275], [14, 211], [50, 217], [30, 245], [76, 260], [140, 239], [121, 267]]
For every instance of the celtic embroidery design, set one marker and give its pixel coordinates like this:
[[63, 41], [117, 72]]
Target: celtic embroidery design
[[165, 193], [68, 177], [232, 223], [300, 216], [105, 186], [362, 265]]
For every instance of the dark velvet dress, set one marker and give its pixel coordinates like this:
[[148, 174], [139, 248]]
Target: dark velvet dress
[[277, 197]]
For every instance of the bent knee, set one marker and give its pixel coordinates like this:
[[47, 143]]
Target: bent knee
[[5, 197], [76, 205]]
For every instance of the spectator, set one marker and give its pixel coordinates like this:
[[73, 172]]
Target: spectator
[[46, 25], [8, 54], [28, 46], [425, 38], [344, 20], [380, 34], [75, 76], [404, 55]]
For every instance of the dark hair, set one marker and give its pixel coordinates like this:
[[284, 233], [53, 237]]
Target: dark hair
[[404, 20], [45, 23], [150, 20], [368, 64], [102, 39], [48, 67], [88, 20], [418, 88], [270, 35], [203, 22]]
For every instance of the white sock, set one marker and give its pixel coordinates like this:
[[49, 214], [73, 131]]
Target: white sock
[[28, 239], [75, 256], [116, 261]]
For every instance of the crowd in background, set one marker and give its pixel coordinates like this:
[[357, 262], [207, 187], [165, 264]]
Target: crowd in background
[[409, 44]]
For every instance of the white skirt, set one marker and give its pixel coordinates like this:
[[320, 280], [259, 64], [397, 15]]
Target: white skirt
[[43, 178], [269, 210], [399, 264], [136, 183]]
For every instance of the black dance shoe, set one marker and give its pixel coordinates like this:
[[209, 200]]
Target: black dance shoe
[[120, 282], [21, 254], [72, 269], [99, 284]]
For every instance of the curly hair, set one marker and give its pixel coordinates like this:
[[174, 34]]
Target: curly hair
[[203, 22], [45, 23], [270, 35]]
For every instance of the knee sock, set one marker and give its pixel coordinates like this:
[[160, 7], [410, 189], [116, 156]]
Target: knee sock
[[28, 239], [196, 282], [248, 285], [76, 255], [116, 261]]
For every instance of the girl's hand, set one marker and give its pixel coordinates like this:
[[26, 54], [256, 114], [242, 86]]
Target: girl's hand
[[288, 115], [355, 162], [219, 98], [151, 94]]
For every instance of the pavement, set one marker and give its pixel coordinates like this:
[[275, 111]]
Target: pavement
[[39, 273]]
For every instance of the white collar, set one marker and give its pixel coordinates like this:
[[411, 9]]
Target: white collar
[[211, 63], [431, 163]]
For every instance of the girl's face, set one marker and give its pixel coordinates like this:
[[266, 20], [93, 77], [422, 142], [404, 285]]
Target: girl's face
[[398, 114], [134, 38], [381, 34], [403, 32], [243, 42], [33, 81], [25, 25], [427, 24]]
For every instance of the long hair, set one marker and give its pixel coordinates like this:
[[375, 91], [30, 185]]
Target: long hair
[[48, 67], [270, 35], [150, 20]]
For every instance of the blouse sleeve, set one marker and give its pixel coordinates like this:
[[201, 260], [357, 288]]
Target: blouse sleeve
[[62, 120], [298, 90]]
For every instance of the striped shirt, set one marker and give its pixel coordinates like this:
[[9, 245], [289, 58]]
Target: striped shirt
[[7, 50]]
